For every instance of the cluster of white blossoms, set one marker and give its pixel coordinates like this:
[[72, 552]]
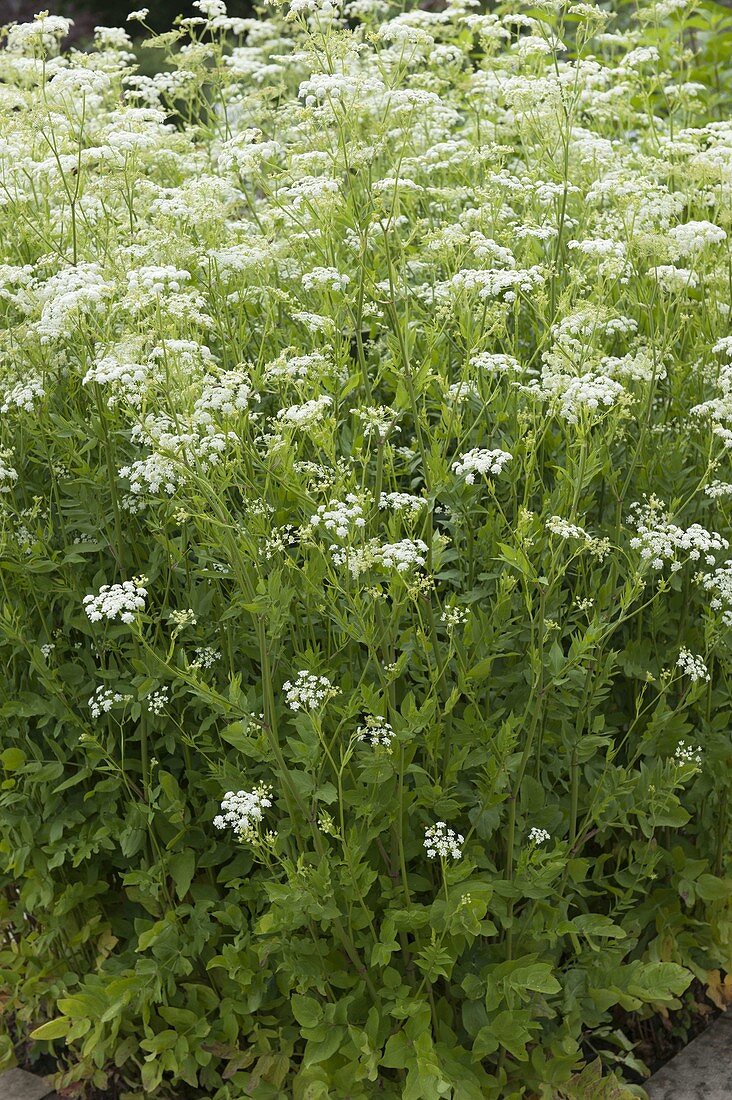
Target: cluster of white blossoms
[[242, 811], [688, 754], [563, 529], [480, 461], [117, 601], [692, 665], [402, 502], [442, 842], [692, 237], [205, 657], [8, 473], [325, 278], [306, 415], [157, 701], [104, 699], [23, 394], [538, 836], [308, 691], [662, 542], [340, 517], [376, 731], [404, 556], [454, 616], [719, 583]]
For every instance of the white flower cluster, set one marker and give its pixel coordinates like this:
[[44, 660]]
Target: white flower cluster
[[661, 542], [305, 415], [688, 754], [205, 657], [44, 35], [125, 380], [674, 280], [719, 583], [8, 473], [480, 461], [442, 842], [495, 363], [23, 394], [692, 665], [117, 601], [403, 556], [693, 237], [563, 529], [454, 616], [402, 502], [71, 293], [226, 395], [325, 278], [377, 731], [104, 699], [717, 489], [157, 701], [339, 517], [538, 836], [308, 692], [242, 811]]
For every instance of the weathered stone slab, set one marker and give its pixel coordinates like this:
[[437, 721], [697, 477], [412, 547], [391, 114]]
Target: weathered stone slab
[[16, 1084], [702, 1071]]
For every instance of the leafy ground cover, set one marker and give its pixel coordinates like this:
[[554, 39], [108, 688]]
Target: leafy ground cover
[[366, 393]]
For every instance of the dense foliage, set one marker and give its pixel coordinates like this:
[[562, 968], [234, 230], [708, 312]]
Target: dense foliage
[[366, 391]]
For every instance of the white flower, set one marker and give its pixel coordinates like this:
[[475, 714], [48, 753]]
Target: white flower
[[442, 842], [693, 665], [339, 516], [377, 731], [104, 699], [325, 278], [693, 237], [404, 556], [661, 542], [454, 616], [480, 461], [242, 811], [117, 601], [157, 701], [538, 836], [8, 473], [205, 657], [307, 414], [688, 754], [402, 502], [309, 691]]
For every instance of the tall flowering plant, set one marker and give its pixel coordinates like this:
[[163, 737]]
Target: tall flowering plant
[[366, 392]]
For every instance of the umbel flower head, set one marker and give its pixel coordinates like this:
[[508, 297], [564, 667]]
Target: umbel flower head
[[117, 601], [309, 691], [242, 811], [439, 840]]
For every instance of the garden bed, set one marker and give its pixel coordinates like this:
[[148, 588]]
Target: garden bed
[[365, 548]]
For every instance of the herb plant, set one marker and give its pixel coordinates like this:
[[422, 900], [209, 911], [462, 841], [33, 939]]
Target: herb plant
[[366, 392]]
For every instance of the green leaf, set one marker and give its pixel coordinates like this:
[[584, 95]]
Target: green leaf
[[512, 1032], [538, 977], [515, 557], [711, 888], [181, 867], [54, 1029], [307, 1011], [593, 924], [12, 759]]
